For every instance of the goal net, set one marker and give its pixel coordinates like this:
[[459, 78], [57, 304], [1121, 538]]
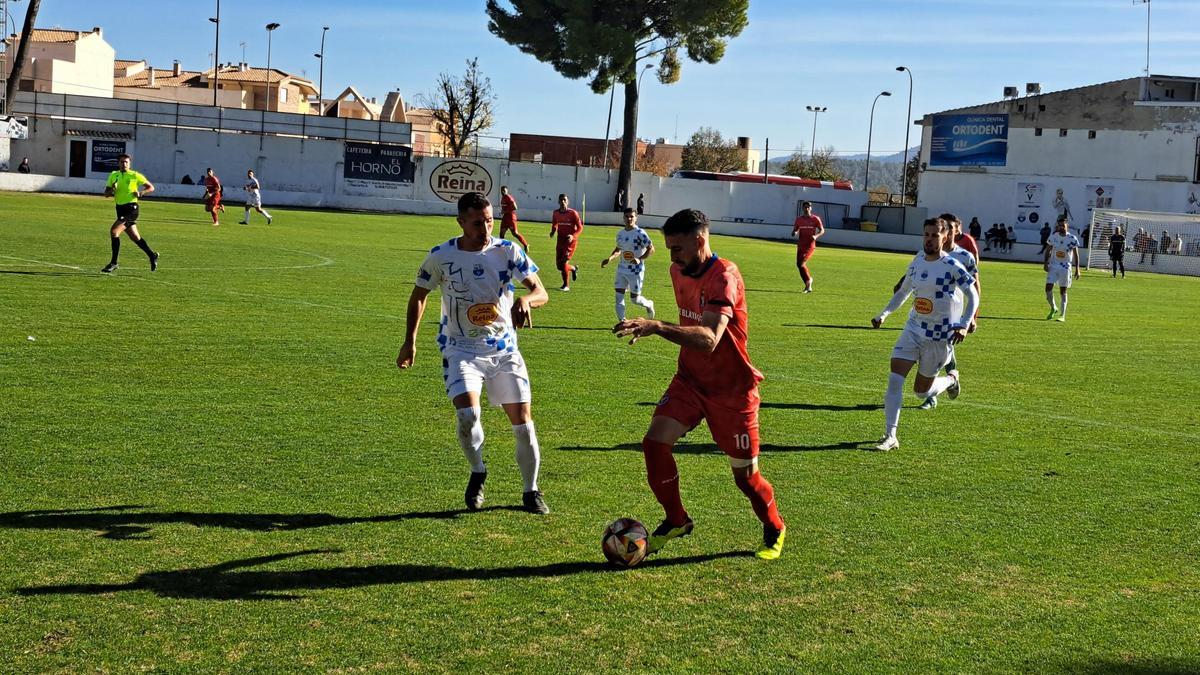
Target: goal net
[[1165, 243]]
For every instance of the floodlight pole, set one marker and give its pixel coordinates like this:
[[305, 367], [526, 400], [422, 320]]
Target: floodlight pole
[[907, 128], [815, 110], [321, 76], [216, 54], [870, 132]]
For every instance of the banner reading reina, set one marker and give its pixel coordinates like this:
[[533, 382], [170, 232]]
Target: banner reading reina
[[969, 140]]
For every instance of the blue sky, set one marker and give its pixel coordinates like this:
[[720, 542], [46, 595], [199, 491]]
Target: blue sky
[[793, 54]]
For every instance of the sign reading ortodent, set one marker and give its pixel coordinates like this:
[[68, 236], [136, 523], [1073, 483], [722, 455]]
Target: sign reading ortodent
[[454, 178], [969, 140], [376, 165]]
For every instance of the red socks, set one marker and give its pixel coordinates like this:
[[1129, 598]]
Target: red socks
[[762, 498], [663, 476]]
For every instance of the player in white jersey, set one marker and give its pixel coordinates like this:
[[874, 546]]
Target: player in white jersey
[[634, 246], [933, 326], [478, 338], [1062, 253], [253, 198]]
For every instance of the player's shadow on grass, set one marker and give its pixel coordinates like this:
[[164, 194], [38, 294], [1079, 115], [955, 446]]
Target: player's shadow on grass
[[131, 522], [839, 326], [712, 449], [28, 273], [230, 581], [803, 406]]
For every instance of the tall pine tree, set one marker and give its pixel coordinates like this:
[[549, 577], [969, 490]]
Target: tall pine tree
[[606, 40]]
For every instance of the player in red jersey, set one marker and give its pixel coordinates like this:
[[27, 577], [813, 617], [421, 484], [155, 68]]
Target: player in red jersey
[[212, 195], [714, 382], [508, 217], [960, 235], [566, 223], [807, 230]]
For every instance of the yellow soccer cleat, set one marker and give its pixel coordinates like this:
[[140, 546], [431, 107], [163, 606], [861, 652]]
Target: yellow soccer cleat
[[772, 543], [666, 532]]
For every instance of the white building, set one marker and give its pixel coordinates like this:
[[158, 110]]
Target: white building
[[1127, 144]]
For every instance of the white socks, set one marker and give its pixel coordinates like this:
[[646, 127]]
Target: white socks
[[528, 455], [470, 437], [939, 385], [645, 303], [621, 306], [1063, 313], [246, 218], [892, 401], [1050, 298]]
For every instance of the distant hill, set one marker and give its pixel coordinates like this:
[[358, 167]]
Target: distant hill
[[897, 158]]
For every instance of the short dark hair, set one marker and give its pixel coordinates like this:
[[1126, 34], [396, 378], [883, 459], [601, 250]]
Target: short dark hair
[[472, 200], [936, 222], [208, 169], [119, 157], [950, 218], [628, 210], [1062, 218], [503, 187], [687, 221], [562, 196], [806, 204]]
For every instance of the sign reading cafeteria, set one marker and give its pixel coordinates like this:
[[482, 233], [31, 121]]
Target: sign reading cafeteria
[[969, 140], [454, 178], [377, 165]]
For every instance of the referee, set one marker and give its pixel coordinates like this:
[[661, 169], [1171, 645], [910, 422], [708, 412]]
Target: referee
[[125, 186]]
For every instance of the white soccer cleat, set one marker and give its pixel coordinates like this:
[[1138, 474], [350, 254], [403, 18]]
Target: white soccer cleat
[[887, 443], [955, 389]]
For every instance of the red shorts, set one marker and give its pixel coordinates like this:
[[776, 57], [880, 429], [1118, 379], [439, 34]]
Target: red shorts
[[803, 253], [563, 253], [213, 203], [508, 223], [734, 429]]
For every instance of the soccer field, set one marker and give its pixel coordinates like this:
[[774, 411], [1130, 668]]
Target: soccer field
[[218, 467]]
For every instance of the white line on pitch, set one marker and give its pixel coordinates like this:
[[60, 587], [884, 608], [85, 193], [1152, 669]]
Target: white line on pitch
[[42, 262]]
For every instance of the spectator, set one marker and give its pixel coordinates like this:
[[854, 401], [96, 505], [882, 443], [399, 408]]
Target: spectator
[[641, 203], [187, 180], [619, 201], [1085, 237], [1011, 238], [24, 167], [975, 229], [1178, 248], [1165, 243], [1045, 235]]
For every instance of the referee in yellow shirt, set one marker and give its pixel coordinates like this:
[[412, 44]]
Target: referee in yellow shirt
[[125, 186]]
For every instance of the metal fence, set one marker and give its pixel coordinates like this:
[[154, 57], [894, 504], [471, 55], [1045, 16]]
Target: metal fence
[[100, 110]]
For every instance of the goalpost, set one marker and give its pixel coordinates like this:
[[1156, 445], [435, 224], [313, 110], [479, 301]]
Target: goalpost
[[1164, 243]]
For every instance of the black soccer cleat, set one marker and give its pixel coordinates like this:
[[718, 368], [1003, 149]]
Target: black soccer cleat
[[666, 532], [474, 494], [574, 272], [534, 503], [154, 261], [110, 268]]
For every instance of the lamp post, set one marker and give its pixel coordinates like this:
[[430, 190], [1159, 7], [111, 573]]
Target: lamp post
[[216, 53], [648, 66], [270, 29], [870, 131], [907, 127], [321, 77], [815, 110]]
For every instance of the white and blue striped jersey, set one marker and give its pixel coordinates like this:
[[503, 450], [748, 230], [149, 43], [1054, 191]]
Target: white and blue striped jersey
[[477, 294], [633, 244], [933, 285], [968, 261], [1061, 246]]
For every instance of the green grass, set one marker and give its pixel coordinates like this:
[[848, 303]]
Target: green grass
[[217, 467]]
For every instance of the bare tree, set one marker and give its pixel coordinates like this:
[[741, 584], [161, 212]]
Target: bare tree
[[462, 108], [19, 60]]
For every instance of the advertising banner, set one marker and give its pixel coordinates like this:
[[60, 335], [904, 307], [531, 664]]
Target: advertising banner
[[969, 140], [1099, 197], [105, 154], [371, 165], [1029, 205]]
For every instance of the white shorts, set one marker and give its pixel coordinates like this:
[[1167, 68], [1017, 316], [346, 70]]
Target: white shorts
[[505, 376], [930, 355], [254, 200], [630, 281], [1059, 276]]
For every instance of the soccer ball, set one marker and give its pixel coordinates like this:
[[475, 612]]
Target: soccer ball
[[625, 542]]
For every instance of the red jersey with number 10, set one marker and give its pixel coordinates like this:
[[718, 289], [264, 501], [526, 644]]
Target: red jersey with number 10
[[726, 373]]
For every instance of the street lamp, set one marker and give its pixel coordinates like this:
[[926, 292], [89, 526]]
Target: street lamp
[[815, 110], [270, 29], [870, 131], [639, 87], [216, 53], [321, 78], [907, 127]]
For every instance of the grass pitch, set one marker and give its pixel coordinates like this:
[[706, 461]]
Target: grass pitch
[[217, 467]]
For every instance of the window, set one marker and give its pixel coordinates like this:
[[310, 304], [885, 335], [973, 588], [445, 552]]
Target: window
[[1170, 93], [1041, 108], [1037, 131], [283, 94], [1196, 176], [1062, 133], [1021, 107], [1091, 133]]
